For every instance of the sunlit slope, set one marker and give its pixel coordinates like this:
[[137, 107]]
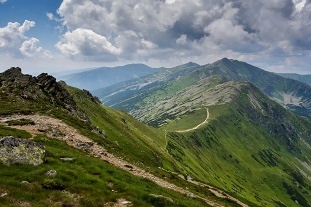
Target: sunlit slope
[[82, 180], [251, 147], [134, 141]]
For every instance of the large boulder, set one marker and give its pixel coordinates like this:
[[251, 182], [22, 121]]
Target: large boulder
[[16, 150]]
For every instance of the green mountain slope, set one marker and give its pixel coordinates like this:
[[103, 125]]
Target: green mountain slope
[[130, 95], [105, 76], [252, 148], [81, 179]]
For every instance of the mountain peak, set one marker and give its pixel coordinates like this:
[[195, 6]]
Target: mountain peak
[[190, 64], [43, 89], [223, 61], [12, 73], [13, 70]]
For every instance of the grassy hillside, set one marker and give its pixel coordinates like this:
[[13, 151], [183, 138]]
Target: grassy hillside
[[124, 135], [252, 148], [85, 180]]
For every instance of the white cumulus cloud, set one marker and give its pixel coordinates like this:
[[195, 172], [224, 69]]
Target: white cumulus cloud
[[30, 48], [14, 42], [85, 42]]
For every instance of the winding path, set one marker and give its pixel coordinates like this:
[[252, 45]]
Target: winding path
[[194, 128]]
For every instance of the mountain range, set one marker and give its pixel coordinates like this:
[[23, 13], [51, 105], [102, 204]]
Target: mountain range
[[144, 92], [222, 134], [105, 76]]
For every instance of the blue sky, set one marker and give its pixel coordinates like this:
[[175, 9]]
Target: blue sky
[[34, 10], [56, 35]]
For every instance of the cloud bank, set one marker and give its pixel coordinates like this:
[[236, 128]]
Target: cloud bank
[[272, 34], [180, 29]]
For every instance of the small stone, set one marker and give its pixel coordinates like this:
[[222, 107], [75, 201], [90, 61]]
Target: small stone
[[126, 202], [67, 159], [190, 195], [3, 194], [189, 178], [25, 182], [51, 173]]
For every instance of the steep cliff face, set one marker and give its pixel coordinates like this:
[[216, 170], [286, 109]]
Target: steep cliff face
[[16, 150]]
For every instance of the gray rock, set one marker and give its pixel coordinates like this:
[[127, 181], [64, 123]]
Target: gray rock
[[22, 151], [51, 173], [3, 195], [25, 182], [67, 159], [190, 195], [44, 87]]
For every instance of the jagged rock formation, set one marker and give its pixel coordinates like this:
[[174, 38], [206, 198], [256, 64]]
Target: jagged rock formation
[[43, 88], [16, 150], [95, 99]]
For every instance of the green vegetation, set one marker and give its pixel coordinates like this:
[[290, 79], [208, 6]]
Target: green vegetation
[[20, 122], [12, 104], [7, 131], [251, 147], [238, 151], [85, 181], [166, 93], [125, 136], [187, 121]]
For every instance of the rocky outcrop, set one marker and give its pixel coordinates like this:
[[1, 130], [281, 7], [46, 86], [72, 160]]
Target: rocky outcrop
[[13, 77], [42, 89], [16, 150], [95, 99], [43, 86]]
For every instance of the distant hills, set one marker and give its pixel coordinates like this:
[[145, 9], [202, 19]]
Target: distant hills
[[144, 92], [106, 76]]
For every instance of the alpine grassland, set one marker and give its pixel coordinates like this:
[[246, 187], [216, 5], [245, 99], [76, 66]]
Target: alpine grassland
[[250, 150], [71, 176]]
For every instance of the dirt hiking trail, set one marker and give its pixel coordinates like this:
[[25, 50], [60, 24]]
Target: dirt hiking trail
[[194, 128]]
